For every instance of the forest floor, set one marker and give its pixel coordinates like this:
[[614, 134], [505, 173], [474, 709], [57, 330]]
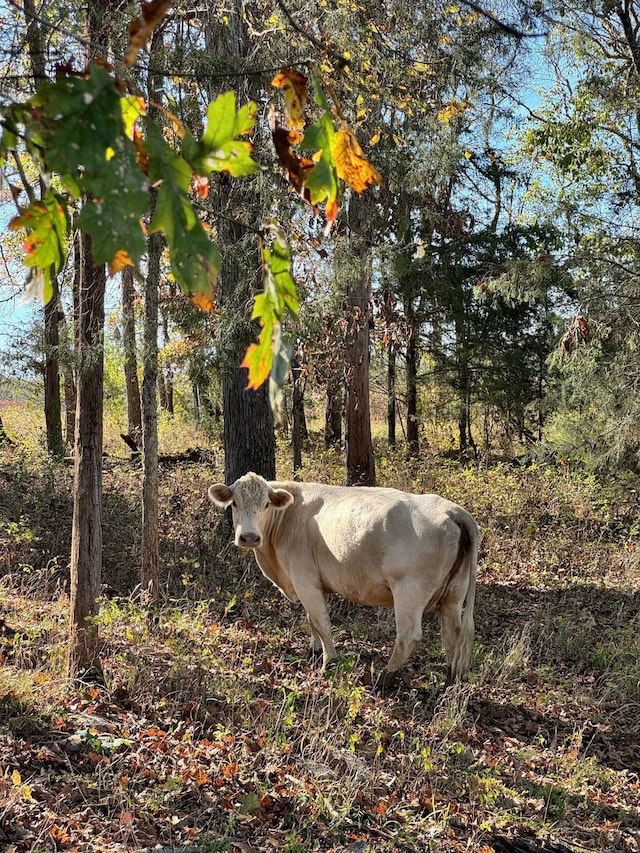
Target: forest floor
[[214, 732]]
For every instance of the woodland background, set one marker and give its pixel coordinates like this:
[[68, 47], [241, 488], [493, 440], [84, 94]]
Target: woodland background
[[467, 323]]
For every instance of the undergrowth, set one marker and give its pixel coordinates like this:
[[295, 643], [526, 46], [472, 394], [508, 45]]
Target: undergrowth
[[215, 730]]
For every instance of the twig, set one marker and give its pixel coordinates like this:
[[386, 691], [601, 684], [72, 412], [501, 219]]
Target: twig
[[507, 28]]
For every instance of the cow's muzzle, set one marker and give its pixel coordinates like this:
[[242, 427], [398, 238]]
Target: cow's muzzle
[[249, 540]]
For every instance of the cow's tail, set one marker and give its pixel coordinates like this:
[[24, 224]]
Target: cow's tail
[[469, 545]]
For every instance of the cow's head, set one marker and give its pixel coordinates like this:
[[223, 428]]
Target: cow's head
[[251, 497]]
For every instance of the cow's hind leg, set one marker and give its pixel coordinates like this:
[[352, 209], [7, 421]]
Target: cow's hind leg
[[315, 642], [457, 645], [408, 613]]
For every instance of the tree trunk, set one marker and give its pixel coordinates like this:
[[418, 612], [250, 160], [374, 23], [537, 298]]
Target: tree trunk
[[86, 535], [360, 464], [333, 412], [52, 399], [391, 394], [150, 569], [413, 432], [5, 441], [464, 388], [150, 483], [132, 386], [70, 343], [249, 438], [297, 416], [168, 384]]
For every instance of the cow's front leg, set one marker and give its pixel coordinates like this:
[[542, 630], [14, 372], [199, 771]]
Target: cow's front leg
[[315, 603]]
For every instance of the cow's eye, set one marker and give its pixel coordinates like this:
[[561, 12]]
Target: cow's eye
[[266, 506], [234, 504]]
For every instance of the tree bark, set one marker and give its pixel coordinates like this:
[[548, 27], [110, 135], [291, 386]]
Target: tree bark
[[150, 569], [391, 394], [52, 399], [86, 534], [132, 385], [298, 425], [249, 438], [413, 432], [150, 573], [333, 412], [359, 463]]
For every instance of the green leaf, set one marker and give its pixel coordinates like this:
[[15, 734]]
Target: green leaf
[[46, 224], [118, 200], [86, 142], [322, 181], [271, 355], [319, 135], [279, 371], [83, 120], [219, 149], [195, 260]]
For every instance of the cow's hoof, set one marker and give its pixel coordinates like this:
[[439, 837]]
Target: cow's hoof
[[385, 681]]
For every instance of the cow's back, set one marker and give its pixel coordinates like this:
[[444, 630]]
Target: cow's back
[[363, 540]]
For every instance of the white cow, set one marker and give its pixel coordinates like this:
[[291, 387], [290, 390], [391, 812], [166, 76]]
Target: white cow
[[370, 545]]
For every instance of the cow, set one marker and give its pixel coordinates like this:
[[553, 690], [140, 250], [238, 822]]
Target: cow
[[371, 545]]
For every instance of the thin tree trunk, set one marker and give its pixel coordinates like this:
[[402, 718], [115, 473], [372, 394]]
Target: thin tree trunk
[[150, 484], [132, 385], [150, 569], [71, 347], [162, 389], [5, 441], [391, 394], [86, 534], [359, 463], [297, 416], [52, 399], [413, 432], [333, 412]]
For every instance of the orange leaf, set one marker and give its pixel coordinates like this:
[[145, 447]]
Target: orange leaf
[[120, 261], [201, 185], [258, 362], [140, 30], [202, 300], [351, 164], [297, 167], [230, 769], [294, 85], [330, 214]]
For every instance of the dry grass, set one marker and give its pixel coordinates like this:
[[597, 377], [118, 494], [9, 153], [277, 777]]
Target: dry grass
[[214, 726]]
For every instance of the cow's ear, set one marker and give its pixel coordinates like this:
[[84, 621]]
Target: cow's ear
[[280, 498], [220, 495]]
